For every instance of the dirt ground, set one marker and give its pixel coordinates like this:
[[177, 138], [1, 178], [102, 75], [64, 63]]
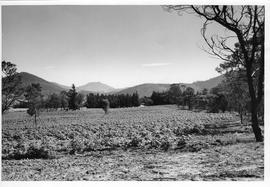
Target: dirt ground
[[153, 144], [243, 161]]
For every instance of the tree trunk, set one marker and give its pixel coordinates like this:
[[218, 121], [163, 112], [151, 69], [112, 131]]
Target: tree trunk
[[35, 120], [241, 115], [254, 111], [255, 126], [254, 114], [254, 103]]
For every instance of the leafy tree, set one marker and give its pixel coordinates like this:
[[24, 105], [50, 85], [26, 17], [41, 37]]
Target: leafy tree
[[217, 99], [188, 97], [135, 99], [212, 104], [72, 98], [63, 100], [53, 101], [236, 92], [201, 101], [80, 99], [146, 101], [160, 98], [105, 105], [34, 100], [246, 26], [91, 101], [174, 93], [11, 85]]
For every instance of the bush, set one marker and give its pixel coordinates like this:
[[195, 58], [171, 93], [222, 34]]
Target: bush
[[76, 145], [32, 151], [181, 143], [165, 145], [135, 142], [35, 152], [105, 105]]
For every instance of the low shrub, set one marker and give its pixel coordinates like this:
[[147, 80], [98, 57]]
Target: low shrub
[[32, 151]]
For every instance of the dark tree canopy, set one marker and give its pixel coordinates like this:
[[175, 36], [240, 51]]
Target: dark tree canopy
[[174, 93], [53, 101], [237, 92], [72, 95], [188, 96], [116, 101]]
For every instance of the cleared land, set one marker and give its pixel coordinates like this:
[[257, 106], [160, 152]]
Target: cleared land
[[149, 143]]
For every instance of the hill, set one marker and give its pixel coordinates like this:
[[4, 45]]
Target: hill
[[47, 87], [62, 86], [147, 89], [96, 87], [53, 87], [210, 83]]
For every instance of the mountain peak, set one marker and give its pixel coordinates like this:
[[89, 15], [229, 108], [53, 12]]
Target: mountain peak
[[96, 87]]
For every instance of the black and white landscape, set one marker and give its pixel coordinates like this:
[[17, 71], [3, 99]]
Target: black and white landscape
[[133, 92]]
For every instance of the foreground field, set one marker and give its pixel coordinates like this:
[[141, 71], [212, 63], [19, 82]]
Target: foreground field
[[150, 143]]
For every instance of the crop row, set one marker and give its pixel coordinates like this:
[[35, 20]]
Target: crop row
[[80, 131]]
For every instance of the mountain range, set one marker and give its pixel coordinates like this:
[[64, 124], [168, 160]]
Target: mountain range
[[98, 87]]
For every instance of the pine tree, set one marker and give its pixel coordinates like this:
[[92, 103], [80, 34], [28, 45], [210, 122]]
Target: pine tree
[[72, 98]]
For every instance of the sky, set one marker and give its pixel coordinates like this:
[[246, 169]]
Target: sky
[[121, 46]]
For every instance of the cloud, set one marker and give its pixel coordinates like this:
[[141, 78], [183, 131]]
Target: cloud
[[155, 64]]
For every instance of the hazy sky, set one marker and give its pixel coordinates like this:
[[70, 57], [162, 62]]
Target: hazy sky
[[118, 45]]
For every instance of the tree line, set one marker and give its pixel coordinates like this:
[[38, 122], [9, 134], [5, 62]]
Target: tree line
[[213, 100], [230, 95], [116, 101]]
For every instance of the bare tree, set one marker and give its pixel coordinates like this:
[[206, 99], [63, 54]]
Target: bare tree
[[246, 28], [11, 85], [34, 100]]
